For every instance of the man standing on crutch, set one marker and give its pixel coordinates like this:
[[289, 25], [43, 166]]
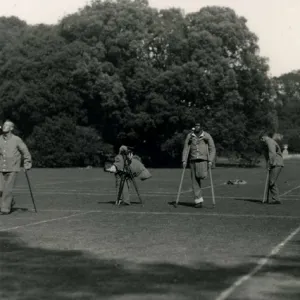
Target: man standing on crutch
[[12, 150], [274, 161], [202, 154]]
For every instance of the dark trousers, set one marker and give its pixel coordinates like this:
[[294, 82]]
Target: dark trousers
[[273, 188], [7, 183]]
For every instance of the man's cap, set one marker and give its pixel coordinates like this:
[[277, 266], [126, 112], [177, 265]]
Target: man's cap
[[123, 148]]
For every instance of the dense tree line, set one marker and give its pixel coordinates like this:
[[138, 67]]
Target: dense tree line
[[287, 87], [122, 72]]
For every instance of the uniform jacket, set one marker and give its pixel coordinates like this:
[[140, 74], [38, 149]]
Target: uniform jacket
[[273, 153], [198, 150], [12, 148]]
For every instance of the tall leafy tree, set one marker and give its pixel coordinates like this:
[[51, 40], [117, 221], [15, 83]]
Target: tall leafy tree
[[123, 72]]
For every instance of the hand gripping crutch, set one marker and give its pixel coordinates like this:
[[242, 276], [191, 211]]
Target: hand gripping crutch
[[182, 177], [211, 180], [266, 192], [29, 185]]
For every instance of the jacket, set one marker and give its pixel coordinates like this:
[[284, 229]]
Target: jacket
[[136, 167], [198, 147], [273, 153], [12, 148]]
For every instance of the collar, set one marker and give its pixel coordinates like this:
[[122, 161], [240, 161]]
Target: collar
[[7, 137], [201, 135]]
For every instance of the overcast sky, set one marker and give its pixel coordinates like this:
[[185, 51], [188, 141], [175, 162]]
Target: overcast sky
[[275, 22]]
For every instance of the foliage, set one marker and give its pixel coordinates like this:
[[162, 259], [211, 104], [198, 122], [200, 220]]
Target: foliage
[[287, 87], [121, 72]]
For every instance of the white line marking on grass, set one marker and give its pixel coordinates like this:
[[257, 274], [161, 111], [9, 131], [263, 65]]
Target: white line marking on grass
[[260, 264], [145, 193], [44, 221], [248, 198], [180, 213], [71, 192], [85, 180], [287, 192], [69, 181]]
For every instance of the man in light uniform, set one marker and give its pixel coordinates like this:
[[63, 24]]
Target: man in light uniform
[[136, 166], [202, 153], [12, 148]]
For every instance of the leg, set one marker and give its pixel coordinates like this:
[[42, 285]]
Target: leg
[[196, 184], [201, 173], [122, 186], [273, 188], [120, 181], [132, 179], [1, 188], [7, 196], [125, 194]]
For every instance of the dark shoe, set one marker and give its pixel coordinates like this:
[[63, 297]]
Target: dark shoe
[[199, 205], [275, 202], [124, 203]]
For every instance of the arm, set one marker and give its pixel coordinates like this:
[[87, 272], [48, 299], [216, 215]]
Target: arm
[[117, 165], [185, 148], [271, 152], [211, 148], [112, 169], [26, 154]]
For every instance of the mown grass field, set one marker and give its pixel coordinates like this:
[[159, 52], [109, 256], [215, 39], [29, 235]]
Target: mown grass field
[[81, 246]]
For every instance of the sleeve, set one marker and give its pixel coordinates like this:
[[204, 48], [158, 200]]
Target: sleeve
[[211, 147], [26, 154], [185, 148], [112, 169], [271, 152]]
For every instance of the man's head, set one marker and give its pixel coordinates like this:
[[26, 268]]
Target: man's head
[[277, 137], [125, 150], [8, 126], [198, 128]]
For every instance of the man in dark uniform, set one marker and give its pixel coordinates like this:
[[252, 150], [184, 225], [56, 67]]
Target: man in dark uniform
[[202, 153], [274, 161]]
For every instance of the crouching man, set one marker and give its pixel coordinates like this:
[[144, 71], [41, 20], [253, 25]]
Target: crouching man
[[12, 150], [136, 167]]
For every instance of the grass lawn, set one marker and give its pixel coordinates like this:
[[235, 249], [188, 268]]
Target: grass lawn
[[81, 246]]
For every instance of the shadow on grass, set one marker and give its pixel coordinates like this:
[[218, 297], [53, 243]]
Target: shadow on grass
[[180, 203], [114, 202], [285, 267], [20, 209], [191, 204], [257, 201], [38, 273]]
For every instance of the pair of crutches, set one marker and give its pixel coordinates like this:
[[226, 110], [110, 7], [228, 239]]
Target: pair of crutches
[[182, 177]]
